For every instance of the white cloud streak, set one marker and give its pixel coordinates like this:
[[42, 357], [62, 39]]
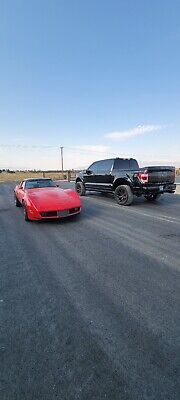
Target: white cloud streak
[[138, 130]]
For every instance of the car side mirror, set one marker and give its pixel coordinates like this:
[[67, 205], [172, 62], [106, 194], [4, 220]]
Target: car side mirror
[[88, 172]]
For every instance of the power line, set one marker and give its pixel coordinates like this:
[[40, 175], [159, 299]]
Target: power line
[[27, 146], [74, 149]]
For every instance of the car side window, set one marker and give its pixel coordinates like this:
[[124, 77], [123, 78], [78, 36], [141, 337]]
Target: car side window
[[93, 168]]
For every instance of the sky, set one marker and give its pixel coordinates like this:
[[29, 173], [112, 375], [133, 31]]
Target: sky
[[100, 78]]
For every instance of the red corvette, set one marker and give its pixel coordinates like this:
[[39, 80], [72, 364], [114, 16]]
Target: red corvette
[[42, 199]]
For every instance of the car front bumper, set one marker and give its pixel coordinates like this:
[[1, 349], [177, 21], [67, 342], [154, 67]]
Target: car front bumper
[[35, 215]]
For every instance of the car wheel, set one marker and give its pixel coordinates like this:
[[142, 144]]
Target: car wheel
[[80, 188], [17, 202], [123, 195], [152, 197], [26, 214]]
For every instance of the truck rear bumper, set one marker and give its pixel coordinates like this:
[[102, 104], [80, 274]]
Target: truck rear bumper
[[164, 188]]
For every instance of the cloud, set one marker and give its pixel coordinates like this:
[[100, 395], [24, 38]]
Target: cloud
[[138, 130]]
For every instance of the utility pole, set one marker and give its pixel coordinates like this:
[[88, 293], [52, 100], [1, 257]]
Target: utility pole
[[62, 157]]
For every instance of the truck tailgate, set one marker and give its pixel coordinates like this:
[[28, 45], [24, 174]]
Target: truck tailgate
[[160, 174]]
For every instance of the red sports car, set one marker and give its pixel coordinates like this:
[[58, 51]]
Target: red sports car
[[43, 199]]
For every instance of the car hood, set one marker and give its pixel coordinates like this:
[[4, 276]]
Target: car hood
[[49, 199]]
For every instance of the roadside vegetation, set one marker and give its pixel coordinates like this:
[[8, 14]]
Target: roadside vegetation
[[7, 175]]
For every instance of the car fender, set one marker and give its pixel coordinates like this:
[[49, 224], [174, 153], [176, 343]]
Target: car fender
[[72, 193]]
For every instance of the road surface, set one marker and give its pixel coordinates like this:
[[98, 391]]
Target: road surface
[[89, 307]]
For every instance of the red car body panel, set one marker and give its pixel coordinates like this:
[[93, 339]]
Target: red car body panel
[[48, 202]]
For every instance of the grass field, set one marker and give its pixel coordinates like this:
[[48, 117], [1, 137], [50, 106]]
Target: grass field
[[20, 176]]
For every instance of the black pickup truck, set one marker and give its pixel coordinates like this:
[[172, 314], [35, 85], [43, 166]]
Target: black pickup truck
[[124, 178]]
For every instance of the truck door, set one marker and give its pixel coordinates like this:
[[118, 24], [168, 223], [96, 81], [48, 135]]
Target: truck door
[[90, 176], [104, 174]]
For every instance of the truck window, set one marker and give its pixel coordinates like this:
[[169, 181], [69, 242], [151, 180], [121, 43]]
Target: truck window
[[93, 167], [134, 164], [120, 163], [105, 166], [125, 163]]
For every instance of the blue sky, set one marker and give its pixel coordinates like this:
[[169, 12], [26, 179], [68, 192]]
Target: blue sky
[[99, 77]]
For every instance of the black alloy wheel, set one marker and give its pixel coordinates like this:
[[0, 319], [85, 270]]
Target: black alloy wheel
[[80, 188], [123, 195]]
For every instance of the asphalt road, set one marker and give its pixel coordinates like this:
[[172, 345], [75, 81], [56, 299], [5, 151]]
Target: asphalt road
[[90, 306]]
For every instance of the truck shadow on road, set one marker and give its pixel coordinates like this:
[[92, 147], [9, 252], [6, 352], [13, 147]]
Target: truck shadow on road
[[167, 199]]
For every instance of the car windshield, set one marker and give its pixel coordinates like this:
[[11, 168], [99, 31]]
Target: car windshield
[[39, 183]]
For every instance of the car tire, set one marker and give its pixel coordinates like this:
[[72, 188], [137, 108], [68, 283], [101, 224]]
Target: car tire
[[123, 195], [26, 217], [80, 188], [153, 197], [17, 202]]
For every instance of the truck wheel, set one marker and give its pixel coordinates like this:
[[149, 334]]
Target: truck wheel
[[123, 195], [17, 202], [152, 197], [80, 188]]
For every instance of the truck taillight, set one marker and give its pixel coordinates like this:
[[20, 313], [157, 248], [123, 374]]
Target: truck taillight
[[143, 177]]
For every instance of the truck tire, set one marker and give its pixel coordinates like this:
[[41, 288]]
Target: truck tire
[[80, 188], [17, 202], [152, 197], [123, 195]]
